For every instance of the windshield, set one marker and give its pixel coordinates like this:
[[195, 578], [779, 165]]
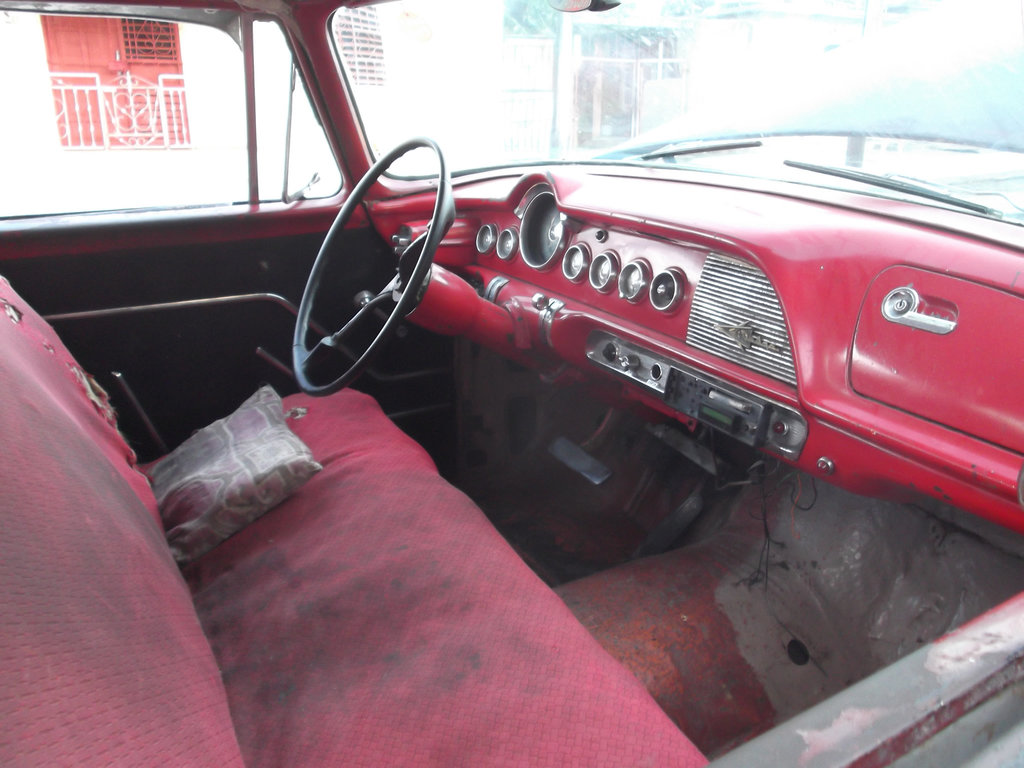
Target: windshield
[[925, 93]]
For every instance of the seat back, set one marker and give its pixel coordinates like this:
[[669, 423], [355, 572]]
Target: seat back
[[102, 659]]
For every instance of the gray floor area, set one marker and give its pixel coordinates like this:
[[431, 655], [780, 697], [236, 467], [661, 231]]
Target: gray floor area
[[860, 583], [787, 592]]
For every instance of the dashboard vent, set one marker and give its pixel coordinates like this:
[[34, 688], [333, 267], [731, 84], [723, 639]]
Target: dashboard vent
[[736, 315]]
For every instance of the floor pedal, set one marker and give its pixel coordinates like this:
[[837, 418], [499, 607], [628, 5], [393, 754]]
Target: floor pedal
[[673, 526], [578, 460], [687, 446]]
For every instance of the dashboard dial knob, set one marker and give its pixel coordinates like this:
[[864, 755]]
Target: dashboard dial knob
[[604, 269], [634, 280], [576, 262]]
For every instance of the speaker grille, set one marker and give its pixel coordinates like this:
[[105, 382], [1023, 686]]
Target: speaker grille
[[736, 315]]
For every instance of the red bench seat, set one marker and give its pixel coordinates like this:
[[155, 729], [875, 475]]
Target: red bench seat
[[375, 618]]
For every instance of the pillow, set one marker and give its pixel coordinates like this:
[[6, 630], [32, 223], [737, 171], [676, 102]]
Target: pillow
[[229, 474]]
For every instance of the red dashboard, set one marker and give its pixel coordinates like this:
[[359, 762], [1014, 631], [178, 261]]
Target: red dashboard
[[872, 342]]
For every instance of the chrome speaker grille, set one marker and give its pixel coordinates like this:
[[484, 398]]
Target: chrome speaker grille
[[736, 315]]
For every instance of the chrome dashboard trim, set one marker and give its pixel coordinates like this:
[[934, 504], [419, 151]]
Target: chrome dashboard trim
[[606, 283], [637, 295], [494, 288], [678, 282], [567, 269], [547, 317], [704, 397]]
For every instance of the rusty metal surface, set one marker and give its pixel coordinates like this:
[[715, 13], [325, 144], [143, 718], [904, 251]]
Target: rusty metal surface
[[661, 621], [802, 591]]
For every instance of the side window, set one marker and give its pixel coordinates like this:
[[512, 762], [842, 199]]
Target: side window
[[111, 113], [295, 160]]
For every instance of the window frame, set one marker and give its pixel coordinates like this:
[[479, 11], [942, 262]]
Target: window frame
[[238, 25]]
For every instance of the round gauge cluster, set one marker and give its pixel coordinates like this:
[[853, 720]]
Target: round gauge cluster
[[604, 269], [543, 235], [667, 289], [508, 243], [486, 238], [635, 281], [503, 243], [544, 232], [576, 262]]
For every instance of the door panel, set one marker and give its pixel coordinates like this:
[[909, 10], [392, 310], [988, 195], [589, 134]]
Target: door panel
[[194, 327]]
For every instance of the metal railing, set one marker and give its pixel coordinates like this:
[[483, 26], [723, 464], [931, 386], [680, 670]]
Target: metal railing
[[129, 113]]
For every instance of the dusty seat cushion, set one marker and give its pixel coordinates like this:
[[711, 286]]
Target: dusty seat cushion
[[228, 474], [377, 618], [102, 659]]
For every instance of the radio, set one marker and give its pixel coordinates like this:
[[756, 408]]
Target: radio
[[745, 416]]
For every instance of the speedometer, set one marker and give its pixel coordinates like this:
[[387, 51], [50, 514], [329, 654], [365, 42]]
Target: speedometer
[[543, 232]]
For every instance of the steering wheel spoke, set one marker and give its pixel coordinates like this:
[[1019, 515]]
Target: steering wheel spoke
[[364, 311], [402, 291]]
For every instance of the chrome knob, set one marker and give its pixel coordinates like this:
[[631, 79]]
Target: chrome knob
[[629, 362]]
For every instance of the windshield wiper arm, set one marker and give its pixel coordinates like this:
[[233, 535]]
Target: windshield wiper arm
[[696, 149], [897, 185]]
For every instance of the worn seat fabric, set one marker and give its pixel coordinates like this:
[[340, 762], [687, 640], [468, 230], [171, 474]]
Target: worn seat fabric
[[377, 618], [102, 659]]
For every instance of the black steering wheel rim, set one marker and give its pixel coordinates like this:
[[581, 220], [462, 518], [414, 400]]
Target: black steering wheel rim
[[408, 293]]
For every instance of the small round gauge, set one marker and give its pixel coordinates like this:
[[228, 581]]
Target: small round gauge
[[508, 241], [575, 262], [543, 230], [603, 271], [633, 281], [486, 237], [667, 289]]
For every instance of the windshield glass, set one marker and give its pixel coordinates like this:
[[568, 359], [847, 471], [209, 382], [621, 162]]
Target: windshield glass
[[925, 93]]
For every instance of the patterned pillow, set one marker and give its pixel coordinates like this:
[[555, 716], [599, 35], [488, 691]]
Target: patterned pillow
[[229, 474]]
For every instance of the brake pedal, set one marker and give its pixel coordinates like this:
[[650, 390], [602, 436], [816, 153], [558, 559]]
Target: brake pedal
[[579, 461]]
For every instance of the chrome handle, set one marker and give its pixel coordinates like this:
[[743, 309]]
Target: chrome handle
[[901, 305]]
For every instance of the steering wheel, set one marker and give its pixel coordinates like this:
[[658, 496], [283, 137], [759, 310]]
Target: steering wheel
[[403, 292]]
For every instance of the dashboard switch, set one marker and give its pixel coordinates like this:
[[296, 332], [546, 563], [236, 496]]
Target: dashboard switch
[[700, 396], [629, 362]]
